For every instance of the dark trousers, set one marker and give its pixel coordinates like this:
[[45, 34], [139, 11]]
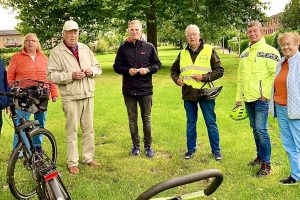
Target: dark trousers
[[145, 103]]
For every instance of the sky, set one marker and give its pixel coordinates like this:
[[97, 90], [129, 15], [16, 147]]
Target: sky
[[8, 21]]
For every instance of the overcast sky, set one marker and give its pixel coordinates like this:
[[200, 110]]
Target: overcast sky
[[8, 21]]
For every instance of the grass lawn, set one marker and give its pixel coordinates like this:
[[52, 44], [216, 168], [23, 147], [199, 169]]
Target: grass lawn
[[124, 177]]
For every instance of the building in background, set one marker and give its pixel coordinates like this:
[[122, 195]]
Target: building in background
[[11, 38], [272, 25]]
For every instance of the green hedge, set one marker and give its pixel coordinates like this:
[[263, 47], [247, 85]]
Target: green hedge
[[235, 45], [5, 57], [270, 39], [10, 50]]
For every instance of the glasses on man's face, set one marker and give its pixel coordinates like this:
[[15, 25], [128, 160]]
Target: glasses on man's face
[[33, 41], [192, 34]]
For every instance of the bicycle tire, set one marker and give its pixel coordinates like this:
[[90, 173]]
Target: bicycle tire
[[183, 180], [20, 176], [55, 189]]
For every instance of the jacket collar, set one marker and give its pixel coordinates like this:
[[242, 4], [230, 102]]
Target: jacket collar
[[137, 43], [199, 48], [262, 41], [64, 47], [293, 58], [23, 51]]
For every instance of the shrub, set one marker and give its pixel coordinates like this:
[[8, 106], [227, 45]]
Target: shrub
[[102, 46], [10, 50], [244, 44], [5, 57]]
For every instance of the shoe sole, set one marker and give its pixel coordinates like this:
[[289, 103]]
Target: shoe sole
[[289, 184]]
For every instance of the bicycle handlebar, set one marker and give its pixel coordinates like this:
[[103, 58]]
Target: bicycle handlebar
[[183, 180]]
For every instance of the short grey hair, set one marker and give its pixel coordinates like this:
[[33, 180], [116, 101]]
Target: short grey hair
[[138, 22], [254, 23], [192, 26]]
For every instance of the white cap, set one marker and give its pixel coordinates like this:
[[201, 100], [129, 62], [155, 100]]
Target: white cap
[[70, 25]]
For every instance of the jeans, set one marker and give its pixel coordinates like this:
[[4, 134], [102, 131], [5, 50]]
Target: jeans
[[258, 116], [37, 140], [145, 103], [207, 108], [290, 137]]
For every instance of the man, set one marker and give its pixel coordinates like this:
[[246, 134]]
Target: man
[[203, 60], [137, 60], [4, 100], [72, 66], [255, 75]]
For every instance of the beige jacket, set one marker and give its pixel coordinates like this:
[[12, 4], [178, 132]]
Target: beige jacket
[[62, 63]]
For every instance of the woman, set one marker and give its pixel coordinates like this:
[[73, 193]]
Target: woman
[[30, 63], [285, 102]]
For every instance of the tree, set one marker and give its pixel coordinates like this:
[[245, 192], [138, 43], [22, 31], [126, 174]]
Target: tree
[[46, 17], [291, 18]]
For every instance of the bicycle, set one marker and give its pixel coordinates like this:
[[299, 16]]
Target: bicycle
[[183, 180], [31, 169]]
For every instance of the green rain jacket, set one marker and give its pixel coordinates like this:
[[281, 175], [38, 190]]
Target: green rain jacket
[[256, 71]]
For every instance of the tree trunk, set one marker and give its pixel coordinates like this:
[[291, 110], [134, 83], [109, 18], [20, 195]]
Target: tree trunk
[[151, 24]]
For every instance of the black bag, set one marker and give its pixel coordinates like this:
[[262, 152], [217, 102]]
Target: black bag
[[209, 93]]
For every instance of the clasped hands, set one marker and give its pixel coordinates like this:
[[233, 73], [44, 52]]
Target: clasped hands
[[197, 77], [141, 71], [81, 74]]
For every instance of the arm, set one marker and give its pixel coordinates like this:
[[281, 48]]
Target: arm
[[216, 67], [119, 65], [271, 65], [239, 95], [53, 91], [55, 71], [95, 68], [155, 62], [11, 71], [175, 72]]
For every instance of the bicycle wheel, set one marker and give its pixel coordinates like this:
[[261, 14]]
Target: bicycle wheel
[[20, 176], [55, 189]]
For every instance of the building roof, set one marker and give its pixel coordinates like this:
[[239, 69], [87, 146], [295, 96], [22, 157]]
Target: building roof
[[9, 32]]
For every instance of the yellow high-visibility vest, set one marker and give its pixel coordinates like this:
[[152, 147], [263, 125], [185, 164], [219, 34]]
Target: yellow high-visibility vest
[[200, 66]]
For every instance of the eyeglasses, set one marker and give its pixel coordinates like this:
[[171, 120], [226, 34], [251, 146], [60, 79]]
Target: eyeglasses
[[33, 41], [192, 34]]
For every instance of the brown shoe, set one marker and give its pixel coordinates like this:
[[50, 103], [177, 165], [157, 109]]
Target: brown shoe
[[256, 161], [265, 170], [93, 163], [74, 170]]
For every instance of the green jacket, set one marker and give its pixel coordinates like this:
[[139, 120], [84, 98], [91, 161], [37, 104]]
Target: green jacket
[[256, 71]]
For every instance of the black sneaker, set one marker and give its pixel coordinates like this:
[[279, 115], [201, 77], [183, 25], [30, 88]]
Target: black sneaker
[[135, 151], [289, 181], [265, 169], [256, 161], [149, 152], [188, 155], [218, 156]]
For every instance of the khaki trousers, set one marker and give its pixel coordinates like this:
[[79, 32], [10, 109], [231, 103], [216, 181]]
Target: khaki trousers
[[80, 111]]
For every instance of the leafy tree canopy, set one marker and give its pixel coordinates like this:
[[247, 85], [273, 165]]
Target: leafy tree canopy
[[46, 17], [291, 18]]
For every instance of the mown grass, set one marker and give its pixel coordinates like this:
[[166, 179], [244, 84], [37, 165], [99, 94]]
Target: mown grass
[[124, 177]]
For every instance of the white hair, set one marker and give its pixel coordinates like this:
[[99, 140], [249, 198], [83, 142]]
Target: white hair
[[192, 26]]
